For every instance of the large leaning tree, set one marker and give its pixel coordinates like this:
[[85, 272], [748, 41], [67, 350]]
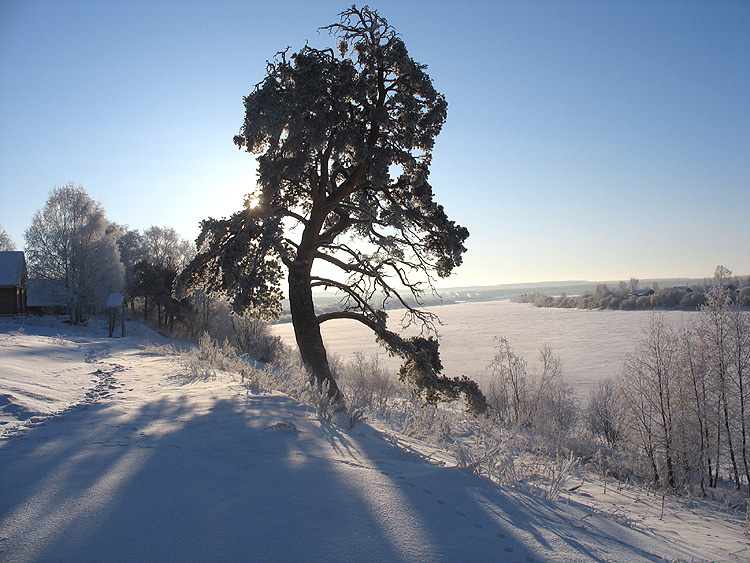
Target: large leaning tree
[[344, 142]]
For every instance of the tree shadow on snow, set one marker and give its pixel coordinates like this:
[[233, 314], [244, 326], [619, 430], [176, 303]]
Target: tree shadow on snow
[[253, 478]]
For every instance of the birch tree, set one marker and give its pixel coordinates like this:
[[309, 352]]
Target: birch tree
[[6, 243], [67, 243]]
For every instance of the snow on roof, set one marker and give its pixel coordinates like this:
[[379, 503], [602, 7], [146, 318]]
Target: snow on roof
[[725, 287], [46, 293], [12, 267], [638, 292]]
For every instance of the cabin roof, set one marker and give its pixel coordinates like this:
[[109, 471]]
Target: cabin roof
[[46, 293], [641, 292], [12, 268]]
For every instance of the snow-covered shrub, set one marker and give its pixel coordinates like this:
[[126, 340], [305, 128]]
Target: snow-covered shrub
[[317, 397], [542, 400], [693, 300], [160, 349], [252, 336], [287, 375], [505, 469], [202, 361], [604, 412], [559, 474], [507, 391], [429, 421], [366, 383], [555, 405], [664, 299]]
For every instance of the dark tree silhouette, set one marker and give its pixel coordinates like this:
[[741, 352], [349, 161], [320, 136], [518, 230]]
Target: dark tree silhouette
[[344, 143]]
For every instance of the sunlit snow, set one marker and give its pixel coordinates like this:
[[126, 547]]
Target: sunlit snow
[[110, 453]]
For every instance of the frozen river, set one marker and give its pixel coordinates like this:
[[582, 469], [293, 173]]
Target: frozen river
[[591, 344]]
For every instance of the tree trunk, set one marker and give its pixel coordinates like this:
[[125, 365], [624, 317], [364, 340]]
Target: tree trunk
[[739, 354], [730, 443], [307, 331], [718, 447]]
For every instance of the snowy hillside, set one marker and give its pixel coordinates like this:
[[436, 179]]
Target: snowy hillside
[[111, 452]]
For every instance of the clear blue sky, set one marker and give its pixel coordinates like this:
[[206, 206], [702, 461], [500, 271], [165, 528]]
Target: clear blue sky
[[585, 140]]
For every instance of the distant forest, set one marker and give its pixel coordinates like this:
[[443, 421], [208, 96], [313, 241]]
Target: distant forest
[[629, 296]]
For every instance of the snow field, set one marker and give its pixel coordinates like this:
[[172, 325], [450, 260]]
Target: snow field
[[591, 344]]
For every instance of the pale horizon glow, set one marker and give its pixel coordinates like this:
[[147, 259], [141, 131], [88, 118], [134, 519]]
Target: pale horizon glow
[[584, 141]]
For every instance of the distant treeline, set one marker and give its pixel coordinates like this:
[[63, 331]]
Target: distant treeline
[[628, 297]]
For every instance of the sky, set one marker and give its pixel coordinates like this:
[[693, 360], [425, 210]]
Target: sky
[[585, 140]]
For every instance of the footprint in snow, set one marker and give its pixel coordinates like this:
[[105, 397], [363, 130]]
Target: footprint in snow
[[500, 535]]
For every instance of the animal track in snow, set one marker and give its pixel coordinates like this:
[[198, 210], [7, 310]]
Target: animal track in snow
[[501, 535]]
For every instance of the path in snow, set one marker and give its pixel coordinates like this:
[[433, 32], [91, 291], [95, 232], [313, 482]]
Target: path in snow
[[157, 468]]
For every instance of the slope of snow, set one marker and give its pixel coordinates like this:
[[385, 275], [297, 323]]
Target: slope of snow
[[147, 464]]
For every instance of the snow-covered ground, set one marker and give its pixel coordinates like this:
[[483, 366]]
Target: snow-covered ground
[[111, 452], [591, 344]]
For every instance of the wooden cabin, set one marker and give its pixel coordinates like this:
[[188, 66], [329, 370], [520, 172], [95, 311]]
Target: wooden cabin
[[14, 283]]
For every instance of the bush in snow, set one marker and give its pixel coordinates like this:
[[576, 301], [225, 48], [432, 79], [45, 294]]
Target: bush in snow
[[559, 474], [604, 412], [251, 335], [366, 383], [542, 399]]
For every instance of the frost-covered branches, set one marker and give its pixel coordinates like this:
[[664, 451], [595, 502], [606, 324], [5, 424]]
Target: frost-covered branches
[[542, 399], [68, 244], [239, 258], [686, 395], [6, 243]]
